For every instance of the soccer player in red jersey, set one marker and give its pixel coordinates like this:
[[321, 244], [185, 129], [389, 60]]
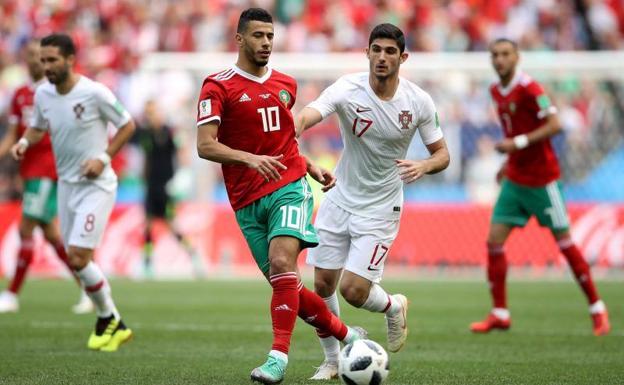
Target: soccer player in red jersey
[[244, 122], [39, 176], [529, 185]]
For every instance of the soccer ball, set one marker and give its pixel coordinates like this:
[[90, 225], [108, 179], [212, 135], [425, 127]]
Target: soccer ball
[[363, 362]]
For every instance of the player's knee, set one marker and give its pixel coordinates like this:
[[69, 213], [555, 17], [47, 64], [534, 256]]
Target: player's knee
[[76, 262], [51, 234], [495, 250], [26, 228], [77, 259], [25, 235], [498, 233], [282, 263], [324, 286], [283, 252], [354, 295], [495, 238]]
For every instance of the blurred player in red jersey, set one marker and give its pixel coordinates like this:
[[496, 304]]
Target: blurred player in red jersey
[[39, 176], [529, 185], [245, 123]]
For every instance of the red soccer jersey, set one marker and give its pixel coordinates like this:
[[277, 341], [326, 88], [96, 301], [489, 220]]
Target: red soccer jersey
[[38, 160], [522, 107], [254, 115]]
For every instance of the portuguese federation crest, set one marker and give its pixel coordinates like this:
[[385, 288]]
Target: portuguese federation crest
[[405, 118], [78, 110]]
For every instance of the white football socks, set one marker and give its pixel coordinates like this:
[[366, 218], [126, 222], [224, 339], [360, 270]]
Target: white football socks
[[597, 307], [98, 289], [379, 301], [501, 313], [331, 345], [280, 355]]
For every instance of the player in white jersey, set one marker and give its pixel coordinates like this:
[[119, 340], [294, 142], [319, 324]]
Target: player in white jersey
[[379, 114], [76, 111]]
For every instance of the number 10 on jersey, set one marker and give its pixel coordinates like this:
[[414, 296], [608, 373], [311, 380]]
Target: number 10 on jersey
[[270, 118]]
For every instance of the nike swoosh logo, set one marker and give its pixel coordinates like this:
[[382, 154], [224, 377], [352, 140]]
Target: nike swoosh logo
[[371, 269], [365, 109]]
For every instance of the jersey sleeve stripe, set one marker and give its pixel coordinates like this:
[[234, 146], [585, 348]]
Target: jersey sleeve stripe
[[224, 75], [124, 119], [210, 119], [219, 74], [230, 76]]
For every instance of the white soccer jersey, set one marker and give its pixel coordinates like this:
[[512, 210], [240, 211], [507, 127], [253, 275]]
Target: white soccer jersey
[[375, 133], [77, 124]]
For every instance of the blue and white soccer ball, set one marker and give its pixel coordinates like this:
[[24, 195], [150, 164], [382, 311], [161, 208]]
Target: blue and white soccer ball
[[363, 362]]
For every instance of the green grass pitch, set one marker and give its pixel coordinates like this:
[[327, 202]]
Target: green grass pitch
[[216, 332]]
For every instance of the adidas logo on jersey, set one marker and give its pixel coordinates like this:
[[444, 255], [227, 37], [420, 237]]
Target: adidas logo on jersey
[[244, 98]]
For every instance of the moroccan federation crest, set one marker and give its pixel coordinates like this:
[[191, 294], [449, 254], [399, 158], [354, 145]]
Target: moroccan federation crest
[[284, 97], [405, 118]]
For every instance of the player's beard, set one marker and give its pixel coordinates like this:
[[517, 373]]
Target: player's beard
[[382, 78], [59, 77], [35, 72], [260, 62], [386, 76], [505, 73], [251, 56]]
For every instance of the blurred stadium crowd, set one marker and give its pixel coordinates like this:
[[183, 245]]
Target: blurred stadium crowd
[[113, 36], [117, 29]]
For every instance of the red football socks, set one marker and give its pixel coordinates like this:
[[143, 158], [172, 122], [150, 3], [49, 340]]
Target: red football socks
[[62, 254], [497, 274], [580, 268], [284, 309], [314, 311], [24, 258]]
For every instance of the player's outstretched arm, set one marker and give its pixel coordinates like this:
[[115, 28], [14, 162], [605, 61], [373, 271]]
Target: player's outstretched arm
[[550, 128], [209, 148], [92, 168], [412, 170], [31, 136], [122, 136], [307, 118], [321, 175]]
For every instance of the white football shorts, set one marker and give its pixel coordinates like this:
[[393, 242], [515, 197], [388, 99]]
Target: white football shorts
[[357, 244], [83, 210]]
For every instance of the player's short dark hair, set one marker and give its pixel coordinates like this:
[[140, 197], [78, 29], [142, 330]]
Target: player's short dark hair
[[513, 43], [388, 31], [250, 14], [64, 43]]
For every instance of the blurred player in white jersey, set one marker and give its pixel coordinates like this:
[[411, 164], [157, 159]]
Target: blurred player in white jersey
[[39, 177], [379, 114], [75, 110]]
